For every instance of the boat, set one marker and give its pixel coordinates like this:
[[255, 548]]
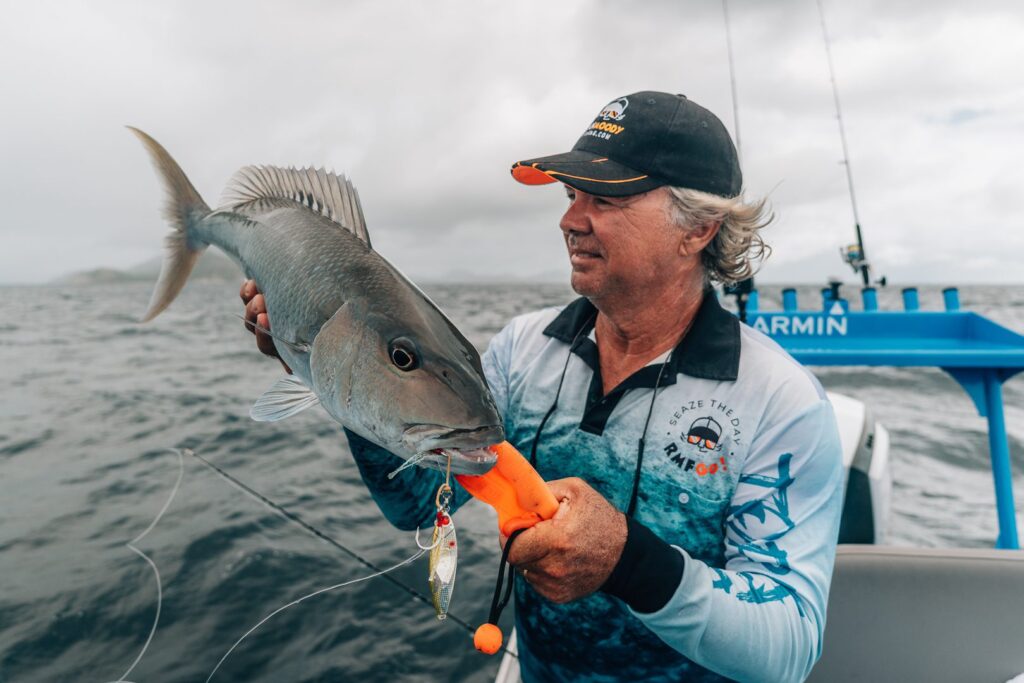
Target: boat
[[900, 613], [904, 613]]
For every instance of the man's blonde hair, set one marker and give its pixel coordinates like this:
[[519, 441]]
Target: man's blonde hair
[[738, 247]]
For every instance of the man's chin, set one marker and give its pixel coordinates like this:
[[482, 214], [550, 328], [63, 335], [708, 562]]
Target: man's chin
[[582, 285]]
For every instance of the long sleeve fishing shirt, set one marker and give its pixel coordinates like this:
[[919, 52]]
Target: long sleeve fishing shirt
[[729, 554]]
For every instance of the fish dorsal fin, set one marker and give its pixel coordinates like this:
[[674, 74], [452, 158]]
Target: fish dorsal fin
[[287, 397], [326, 193]]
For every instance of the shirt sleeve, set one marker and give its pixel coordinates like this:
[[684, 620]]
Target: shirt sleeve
[[407, 500], [761, 617]]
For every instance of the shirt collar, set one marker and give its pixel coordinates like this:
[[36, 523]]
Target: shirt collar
[[710, 350]]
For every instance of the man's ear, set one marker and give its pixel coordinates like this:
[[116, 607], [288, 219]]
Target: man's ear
[[695, 239]]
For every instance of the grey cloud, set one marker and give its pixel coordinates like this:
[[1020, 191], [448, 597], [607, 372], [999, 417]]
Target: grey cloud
[[425, 106]]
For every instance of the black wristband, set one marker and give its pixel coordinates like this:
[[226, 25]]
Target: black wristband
[[649, 571]]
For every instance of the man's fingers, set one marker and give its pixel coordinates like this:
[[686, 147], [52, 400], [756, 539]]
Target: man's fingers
[[256, 314], [531, 546], [264, 342], [566, 492], [248, 290], [566, 489], [257, 305]]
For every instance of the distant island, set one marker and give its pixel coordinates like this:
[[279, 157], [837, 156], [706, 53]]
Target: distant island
[[212, 265]]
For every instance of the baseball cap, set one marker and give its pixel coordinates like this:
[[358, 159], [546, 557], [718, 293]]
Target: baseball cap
[[642, 141]]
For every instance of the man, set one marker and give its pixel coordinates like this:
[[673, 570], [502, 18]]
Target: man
[[698, 465]]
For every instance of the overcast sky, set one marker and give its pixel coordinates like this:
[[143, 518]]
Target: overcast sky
[[426, 104]]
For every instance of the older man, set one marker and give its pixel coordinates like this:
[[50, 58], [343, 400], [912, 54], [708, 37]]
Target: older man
[[698, 466]]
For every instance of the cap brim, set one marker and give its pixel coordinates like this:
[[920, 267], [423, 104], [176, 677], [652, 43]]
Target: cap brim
[[585, 171]]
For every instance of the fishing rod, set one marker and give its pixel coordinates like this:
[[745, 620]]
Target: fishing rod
[[732, 80], [740, 290], [295, 519], [853, 254]]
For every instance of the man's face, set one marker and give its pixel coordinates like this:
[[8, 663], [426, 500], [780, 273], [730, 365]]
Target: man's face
[[620, 245]]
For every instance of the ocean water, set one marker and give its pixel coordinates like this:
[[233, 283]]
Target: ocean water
[[92, 402]]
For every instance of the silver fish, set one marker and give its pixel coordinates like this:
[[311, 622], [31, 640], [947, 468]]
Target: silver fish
[[362, 340]]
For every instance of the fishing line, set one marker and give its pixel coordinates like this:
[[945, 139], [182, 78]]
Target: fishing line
[[152, 565], [253, 327], [415, 556], [292, 517], [414, 460]]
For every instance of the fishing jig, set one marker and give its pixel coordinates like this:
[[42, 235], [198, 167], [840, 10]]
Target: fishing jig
[[444, 549]]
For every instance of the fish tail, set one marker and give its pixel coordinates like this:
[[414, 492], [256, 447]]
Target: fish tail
[[183, 209]]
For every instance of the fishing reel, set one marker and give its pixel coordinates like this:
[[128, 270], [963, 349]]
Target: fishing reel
[[741, 290], [853, 256]]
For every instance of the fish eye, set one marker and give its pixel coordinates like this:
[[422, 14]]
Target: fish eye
[[402, 353]]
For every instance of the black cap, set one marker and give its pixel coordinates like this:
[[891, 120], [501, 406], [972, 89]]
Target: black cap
[[642, 141]]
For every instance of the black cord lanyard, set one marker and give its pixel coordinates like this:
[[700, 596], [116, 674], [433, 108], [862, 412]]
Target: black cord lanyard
[[631, 508], [503, 590], [558, 391]]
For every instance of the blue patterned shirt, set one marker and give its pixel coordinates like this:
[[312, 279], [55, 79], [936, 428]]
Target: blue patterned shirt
[[727, 566]]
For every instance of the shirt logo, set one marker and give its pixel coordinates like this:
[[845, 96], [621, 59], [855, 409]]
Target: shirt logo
[[699, 446], [705, 433]]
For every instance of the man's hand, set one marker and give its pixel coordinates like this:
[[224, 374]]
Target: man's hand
[[572, 554], [256, 312]]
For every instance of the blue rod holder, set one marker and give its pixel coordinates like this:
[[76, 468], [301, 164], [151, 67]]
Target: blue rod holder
[[977, 352], [753, 300], [910, 302], [951, 297], [789, 299], [999, 450], [870, 298]]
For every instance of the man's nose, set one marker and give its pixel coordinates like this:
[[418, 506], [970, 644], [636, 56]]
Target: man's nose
[[576, 218]]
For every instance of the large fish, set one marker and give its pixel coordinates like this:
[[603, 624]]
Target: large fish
[[361, 339]]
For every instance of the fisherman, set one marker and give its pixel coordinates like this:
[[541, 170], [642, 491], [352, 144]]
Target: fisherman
[[697, 465]]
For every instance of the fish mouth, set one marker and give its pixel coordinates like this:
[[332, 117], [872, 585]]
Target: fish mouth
[[466, 447]]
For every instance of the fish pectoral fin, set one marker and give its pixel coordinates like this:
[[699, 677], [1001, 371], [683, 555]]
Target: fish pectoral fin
[[287, 397]]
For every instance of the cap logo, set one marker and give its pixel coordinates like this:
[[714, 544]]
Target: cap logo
[[602, 127], [616, 110]]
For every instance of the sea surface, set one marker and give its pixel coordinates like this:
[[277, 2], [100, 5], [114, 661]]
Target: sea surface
[[92, 402]]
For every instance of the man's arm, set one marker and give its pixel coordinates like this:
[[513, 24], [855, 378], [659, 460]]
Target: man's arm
[[759, 618], [763, 615]]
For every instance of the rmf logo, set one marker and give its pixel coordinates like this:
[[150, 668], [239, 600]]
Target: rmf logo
[[615, 110], [705, 433]]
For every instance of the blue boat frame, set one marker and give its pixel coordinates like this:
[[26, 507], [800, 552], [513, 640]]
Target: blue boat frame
[[977, 352]]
